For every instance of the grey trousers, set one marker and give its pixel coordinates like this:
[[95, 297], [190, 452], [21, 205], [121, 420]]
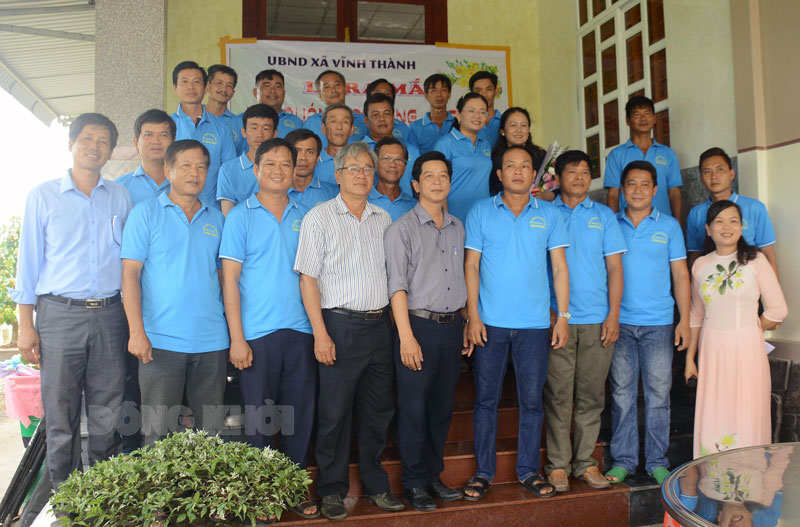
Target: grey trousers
[[82, 352], [162, 382], [576, 374]]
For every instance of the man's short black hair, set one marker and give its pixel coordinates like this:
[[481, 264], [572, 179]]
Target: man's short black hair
[[386, 141], [154, 116], [301, 134], [480, 76], [639, 165], [221, 68], [433, 155], [182, 146], [263, 111], [97, 119], [638, 101], [318, 80], [714, 151], [432, 80], [376, 98], [269, 74], [188, 65], [377, 82], [271, 144], [524, 149], [571, 157]]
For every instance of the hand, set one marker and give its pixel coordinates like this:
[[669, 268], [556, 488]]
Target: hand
[[324, 349], [609, 333], [536, 191], [468, 345], [690, 370], [241, 355], [139, 346], [766, 324], [411, 353], [682, 335], [28, 344], [560, 333], [553, 319], [476, 331]]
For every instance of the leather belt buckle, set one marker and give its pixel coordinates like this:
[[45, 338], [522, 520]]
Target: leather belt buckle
[[373, 315], [94, 303], [444, 318]]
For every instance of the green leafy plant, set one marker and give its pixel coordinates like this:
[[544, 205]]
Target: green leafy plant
[[9, 246], [189, 478]]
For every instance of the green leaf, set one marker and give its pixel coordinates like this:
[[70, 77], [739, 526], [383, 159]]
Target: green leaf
[[732, 266], [720, 268], [722, 288]]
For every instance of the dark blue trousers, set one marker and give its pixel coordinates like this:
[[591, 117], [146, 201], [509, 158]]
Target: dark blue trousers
[[279, 392]]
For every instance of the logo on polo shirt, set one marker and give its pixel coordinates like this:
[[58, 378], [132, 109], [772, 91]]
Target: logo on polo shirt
[[356, 130], [296, 225], [538, 222], [210, 139], [595, 223], [660, 237], [487, 152], [211, 230], [397, 134], [661, 160], [288, 123], [744, 224]]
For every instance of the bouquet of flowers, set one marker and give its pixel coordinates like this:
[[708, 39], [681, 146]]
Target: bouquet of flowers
[[546, 175]]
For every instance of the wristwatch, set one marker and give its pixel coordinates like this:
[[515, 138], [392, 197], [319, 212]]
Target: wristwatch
[[565, 315]]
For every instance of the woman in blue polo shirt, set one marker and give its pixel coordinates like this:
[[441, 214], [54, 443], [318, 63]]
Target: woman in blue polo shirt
[[469, 154]]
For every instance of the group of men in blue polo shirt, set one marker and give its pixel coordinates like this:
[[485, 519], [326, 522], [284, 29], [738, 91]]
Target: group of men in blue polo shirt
[[571, 291]]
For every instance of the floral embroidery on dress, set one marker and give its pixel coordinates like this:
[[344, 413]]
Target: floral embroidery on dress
[[723, 280]]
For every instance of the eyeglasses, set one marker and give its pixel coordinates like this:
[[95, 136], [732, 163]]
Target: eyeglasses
[[393, 159], [354, 170]]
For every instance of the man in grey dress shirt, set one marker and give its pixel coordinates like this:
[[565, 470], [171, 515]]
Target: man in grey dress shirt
[[340, 259], [425, 266]]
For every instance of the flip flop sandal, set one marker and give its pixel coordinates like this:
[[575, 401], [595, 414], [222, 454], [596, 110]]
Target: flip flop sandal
[[301, 509], [618, 473], [476, 484], [536, 483], [660, 474]]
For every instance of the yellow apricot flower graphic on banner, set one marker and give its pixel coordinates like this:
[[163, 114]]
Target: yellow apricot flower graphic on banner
[[464, 69]]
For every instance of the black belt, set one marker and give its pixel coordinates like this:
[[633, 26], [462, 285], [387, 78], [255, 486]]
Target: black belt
[[375, 314], [441, 318], [89, 303]]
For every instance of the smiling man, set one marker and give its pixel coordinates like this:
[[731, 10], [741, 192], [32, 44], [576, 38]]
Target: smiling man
[[271, 90], [423, 133], [332, 89], [69, 272], [220, 89], [153, 132], [387, 194]]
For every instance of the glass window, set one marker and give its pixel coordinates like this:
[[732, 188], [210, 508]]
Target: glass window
[[611, 123], [655, 20], [589, 55], [661, 130], [302, 18], [590, 105], [593, 149], [392, 22], [658, 75], [633, 49], [633, 16], [609, 64], [607, 30]]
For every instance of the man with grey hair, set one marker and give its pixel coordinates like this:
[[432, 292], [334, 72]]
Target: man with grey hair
[[332, 89], [337, 126], [341, 262]]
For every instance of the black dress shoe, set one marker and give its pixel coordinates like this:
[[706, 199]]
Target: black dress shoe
[[333, 507], [419, 499], [440, 491]]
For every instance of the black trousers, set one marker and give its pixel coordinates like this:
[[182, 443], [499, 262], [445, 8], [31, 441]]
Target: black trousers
[[425, 399], [359, 384]]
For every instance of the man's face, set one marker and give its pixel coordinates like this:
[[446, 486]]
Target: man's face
[[338, 127], [642, 120], [257, 130], [190, 88], [356, 182], [274, 170], [437, 96], [307, 157], [331, 89], [639, 190], [221, 88], [575, 179], [187, 174], [379, 120], [391, 163], [153, 140], [434, 182], [270, 92], [517, 172], [487, 89], [92, 148], [385, 89], [716, 175]]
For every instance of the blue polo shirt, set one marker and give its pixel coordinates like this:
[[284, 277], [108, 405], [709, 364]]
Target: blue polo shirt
[[471, 167], [234, 122], [400, 131], [216, 137], [405, 180], [237, 181], [657, 241], [756, 225], [141, 186], [314, 123], [662, 157], [423, 133], [266, 248], [325, 171], [594, 233], [288, 122], [402, 204], [491, 132], [181, 297], [315, 193], [514, 291]]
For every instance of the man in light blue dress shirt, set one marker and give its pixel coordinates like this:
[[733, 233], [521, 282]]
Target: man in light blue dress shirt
[[221, 86], [271, 90], [69, 271], [153, 132]]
